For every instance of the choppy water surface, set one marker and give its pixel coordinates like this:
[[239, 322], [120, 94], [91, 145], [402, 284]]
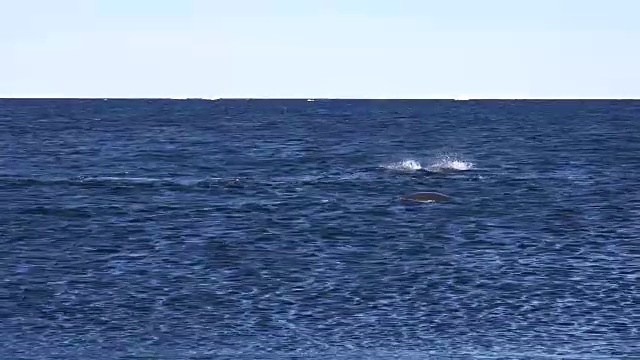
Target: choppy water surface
[[245, 229]]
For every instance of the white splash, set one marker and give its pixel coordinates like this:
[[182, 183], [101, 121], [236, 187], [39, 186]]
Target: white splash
[[442, 163], [446, 163], [405, 165]]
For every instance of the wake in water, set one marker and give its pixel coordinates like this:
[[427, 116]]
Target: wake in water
[[441, 164]]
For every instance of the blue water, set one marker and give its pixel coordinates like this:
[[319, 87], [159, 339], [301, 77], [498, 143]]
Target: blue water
[[272, 229]]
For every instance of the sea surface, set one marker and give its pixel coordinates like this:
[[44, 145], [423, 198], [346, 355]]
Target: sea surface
[[272, 229]]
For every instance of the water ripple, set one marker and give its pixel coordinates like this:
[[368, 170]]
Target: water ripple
[[233, 229]]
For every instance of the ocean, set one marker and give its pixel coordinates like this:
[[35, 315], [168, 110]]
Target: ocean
[[273, 229]]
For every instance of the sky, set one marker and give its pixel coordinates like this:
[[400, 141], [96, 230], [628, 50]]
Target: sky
[[320, 48]]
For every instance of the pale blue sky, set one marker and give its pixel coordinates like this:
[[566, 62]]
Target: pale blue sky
[[320, 48]]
